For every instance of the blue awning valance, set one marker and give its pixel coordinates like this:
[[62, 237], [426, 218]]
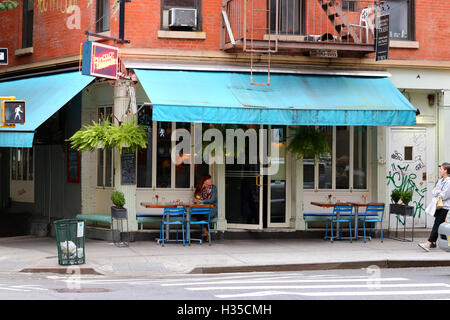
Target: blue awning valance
[[226, 97]]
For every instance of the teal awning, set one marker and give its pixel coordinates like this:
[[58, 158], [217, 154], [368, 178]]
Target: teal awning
[[226, 97], [44, 96]]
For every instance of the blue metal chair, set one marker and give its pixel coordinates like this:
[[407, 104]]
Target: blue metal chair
[[172, 216], [341, 213], [200, 211], [371, 209]]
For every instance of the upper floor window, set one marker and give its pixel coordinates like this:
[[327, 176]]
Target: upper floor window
[[401, 19], [27, 23], [181, 15], [102, 16], [291, 19]]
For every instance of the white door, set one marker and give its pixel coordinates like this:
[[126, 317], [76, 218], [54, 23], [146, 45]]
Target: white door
[[410, 151]]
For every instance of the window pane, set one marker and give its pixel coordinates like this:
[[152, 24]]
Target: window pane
[[144, 169], [19, 163], [27, 23], [398, 18], [308, 173], [108, 168], [100, 162], [342, 157], [180, 3], [163, 159], [182, 170], [360, 158], [102, 16], [289, 16], [25, 163], [325, 161]]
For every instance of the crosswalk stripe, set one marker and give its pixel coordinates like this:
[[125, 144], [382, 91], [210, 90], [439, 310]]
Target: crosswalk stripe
[[365, 279], [334, 294], [347, 286]]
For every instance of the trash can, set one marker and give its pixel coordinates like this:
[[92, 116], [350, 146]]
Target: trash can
[[70, 241]]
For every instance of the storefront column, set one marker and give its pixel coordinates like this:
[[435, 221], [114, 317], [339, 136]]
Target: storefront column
[[444, 133], [121, 101], [297, 179]]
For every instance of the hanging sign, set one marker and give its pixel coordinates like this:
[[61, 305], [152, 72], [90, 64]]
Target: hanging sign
[[100, 60], [382, 38]]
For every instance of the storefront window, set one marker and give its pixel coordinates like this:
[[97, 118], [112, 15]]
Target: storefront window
[[182, 170], [341, 140], [104, 156], [144, 156], [325, 162], [342, 157], [22, 164], [360, 158], [163, 158]]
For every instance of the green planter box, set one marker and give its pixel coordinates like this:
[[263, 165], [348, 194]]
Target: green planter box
[[401, 209]]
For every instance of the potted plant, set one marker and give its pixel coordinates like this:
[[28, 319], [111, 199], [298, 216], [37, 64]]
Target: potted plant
[[402, 209], [118, 211], [308, 141], [396, 195]]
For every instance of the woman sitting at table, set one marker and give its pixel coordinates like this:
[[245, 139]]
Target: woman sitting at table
[[206, 193]]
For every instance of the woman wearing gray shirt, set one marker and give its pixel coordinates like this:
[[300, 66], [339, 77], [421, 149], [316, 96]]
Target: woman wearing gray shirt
[[442, 189]]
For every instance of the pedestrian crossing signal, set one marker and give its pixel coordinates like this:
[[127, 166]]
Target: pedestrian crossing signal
[[13, 112]]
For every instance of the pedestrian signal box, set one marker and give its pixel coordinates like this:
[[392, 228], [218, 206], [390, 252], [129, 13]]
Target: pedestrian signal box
[[13, 112]]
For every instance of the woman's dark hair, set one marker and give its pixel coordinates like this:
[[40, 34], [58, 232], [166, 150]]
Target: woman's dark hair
[[447, 168], [200, 183]]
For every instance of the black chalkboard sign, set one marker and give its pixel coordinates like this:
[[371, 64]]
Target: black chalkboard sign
[[382, 39], [128, 164], [73, 165]]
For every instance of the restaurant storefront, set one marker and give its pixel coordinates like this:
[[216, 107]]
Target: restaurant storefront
[[353, 114]]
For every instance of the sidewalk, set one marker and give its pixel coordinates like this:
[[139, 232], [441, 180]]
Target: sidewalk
[[34, 254]]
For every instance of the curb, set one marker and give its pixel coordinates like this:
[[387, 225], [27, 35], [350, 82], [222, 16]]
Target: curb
[[64, 270], [384, 264]]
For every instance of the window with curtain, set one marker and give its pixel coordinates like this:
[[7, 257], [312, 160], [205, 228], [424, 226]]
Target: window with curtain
[[401, 18], [290, 16]]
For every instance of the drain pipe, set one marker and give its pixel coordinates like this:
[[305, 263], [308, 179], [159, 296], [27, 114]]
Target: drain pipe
[[50, 192]]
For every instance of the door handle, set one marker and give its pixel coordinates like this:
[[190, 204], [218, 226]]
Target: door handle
[[257, 180]]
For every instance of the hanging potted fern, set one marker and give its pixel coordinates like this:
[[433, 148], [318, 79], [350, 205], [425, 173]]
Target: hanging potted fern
[[109, 135], [308, 142]]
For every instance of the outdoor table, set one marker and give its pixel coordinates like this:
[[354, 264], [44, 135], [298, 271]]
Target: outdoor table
[[171, 205], [356, 205]]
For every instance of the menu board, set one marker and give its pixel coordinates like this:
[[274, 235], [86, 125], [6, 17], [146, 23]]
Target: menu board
[[382, 39], [73, 165], [128, 165]]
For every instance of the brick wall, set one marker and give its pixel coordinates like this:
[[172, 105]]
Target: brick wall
[[53, 39]]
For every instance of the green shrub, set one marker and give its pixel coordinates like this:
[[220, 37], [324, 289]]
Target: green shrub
[[118, 199], [396, 195]]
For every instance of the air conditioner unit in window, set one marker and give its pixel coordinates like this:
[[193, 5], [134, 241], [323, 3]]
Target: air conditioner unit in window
[[182, 17]]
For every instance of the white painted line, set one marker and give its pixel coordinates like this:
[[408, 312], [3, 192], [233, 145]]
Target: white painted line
[[336, 286], [365, 279], [334, 294]]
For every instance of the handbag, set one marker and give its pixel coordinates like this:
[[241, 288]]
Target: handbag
[[439, 203], [431, 208]]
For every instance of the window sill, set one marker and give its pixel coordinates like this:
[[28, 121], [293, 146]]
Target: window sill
[[399, 44], [193, 35], [24, 51]]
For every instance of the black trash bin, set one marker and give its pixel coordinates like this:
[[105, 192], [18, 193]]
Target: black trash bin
[[70, 241]]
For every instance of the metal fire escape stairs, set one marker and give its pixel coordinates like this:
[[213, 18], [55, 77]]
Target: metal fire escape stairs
[[340, 22]]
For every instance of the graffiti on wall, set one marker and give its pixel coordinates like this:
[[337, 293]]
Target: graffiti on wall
[[55, 5], [402, 179]]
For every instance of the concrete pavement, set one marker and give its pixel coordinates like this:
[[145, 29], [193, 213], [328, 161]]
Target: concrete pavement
[[37, 254]]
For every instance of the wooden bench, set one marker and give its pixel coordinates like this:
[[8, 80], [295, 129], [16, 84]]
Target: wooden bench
[[323, 216], [96, 218]]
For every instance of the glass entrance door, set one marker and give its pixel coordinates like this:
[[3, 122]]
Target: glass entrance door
[[254, 200]]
